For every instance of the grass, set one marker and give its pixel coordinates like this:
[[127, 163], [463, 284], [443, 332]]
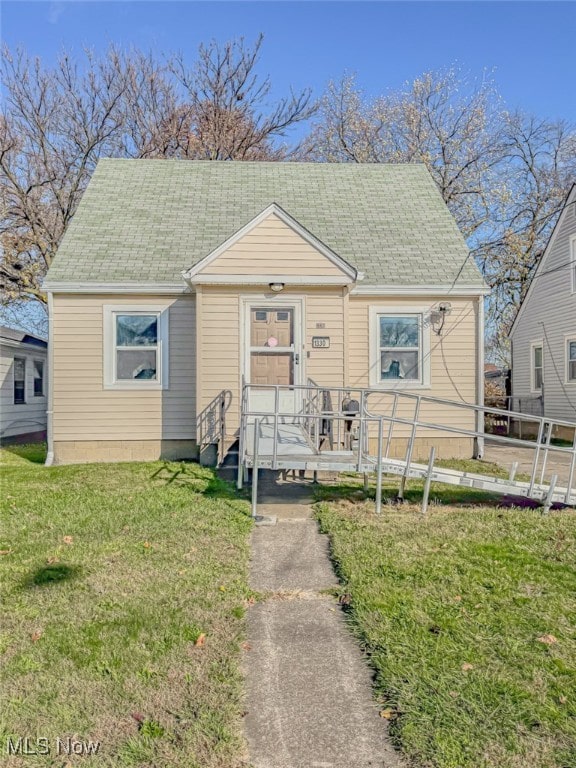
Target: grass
[[439, 492], [469, 618], [124, 590]]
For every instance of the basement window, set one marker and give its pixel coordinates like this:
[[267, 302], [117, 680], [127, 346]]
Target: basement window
[[135, 347]]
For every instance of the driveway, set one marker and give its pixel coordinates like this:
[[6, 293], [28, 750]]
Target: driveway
[[506, 455]]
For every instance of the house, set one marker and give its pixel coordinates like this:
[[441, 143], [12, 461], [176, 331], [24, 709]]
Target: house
[[177, 280], [23, 390], [543, 335], [496, 378]]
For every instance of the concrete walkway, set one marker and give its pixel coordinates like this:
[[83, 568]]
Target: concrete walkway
[[309, 695]]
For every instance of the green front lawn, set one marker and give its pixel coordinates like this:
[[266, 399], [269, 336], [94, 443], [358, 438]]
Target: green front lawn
[[469, 617], [124, 589]]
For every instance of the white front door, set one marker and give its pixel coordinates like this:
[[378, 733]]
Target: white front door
[[273, 354]]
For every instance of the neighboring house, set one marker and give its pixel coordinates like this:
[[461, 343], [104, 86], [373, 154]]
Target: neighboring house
[[179, 279], [543, 335], [496, 377], [23, 386]]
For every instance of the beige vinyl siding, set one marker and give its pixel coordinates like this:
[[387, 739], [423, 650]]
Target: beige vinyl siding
[[26, 417], [220, 345], [84, 410], [219, 350], [325, 309], [549, 315], [272, 247], [452, 359]]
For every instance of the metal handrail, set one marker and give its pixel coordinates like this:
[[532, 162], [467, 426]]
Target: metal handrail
[[211, 423], [311, 414], [412, 396]]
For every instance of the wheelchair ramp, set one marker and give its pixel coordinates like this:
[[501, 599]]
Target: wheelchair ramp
[[327, 434]]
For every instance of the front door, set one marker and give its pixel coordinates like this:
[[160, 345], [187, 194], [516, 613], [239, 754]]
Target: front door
[[273, 354]]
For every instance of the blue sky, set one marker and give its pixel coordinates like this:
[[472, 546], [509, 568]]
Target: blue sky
[[529, 45]]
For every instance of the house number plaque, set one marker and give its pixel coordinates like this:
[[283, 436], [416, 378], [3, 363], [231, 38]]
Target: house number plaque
[[320, 342]]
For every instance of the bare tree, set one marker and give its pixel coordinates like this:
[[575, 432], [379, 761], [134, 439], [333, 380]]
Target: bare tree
[[442, 119], [537, 169], [226, 99], [56, 124], [502, 175]]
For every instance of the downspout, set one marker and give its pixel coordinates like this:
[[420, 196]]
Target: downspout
[[479, 441], [50, 411]]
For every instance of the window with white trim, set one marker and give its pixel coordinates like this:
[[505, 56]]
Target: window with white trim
[[19, 368], [399, 349], [537, 366], [135, 347], [571, 360]]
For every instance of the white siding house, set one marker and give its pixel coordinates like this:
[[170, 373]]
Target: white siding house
[[544, 333], [23, 386]]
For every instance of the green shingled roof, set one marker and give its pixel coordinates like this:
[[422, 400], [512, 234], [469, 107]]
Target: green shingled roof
[[147, 220]]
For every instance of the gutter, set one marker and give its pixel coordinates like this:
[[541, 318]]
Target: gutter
[[50, 410], [479, 441]]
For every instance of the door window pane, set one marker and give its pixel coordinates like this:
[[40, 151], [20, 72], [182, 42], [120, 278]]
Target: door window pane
[[267, 324]]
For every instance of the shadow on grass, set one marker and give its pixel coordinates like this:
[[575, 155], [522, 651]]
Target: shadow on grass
[[197, 479], [51, 574], [35, 453], [441, 495]]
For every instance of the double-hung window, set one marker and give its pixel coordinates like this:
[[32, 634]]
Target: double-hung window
[[571, 360], [135, 347], [537, 366], [400, 345], [19, 380]]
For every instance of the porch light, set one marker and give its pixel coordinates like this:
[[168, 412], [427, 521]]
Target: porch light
[[276, 287]]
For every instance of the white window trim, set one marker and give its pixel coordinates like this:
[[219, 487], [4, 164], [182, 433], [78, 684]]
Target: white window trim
[[567, 339], [109, 346], [533, 345], [573, 258], [374, 344]]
